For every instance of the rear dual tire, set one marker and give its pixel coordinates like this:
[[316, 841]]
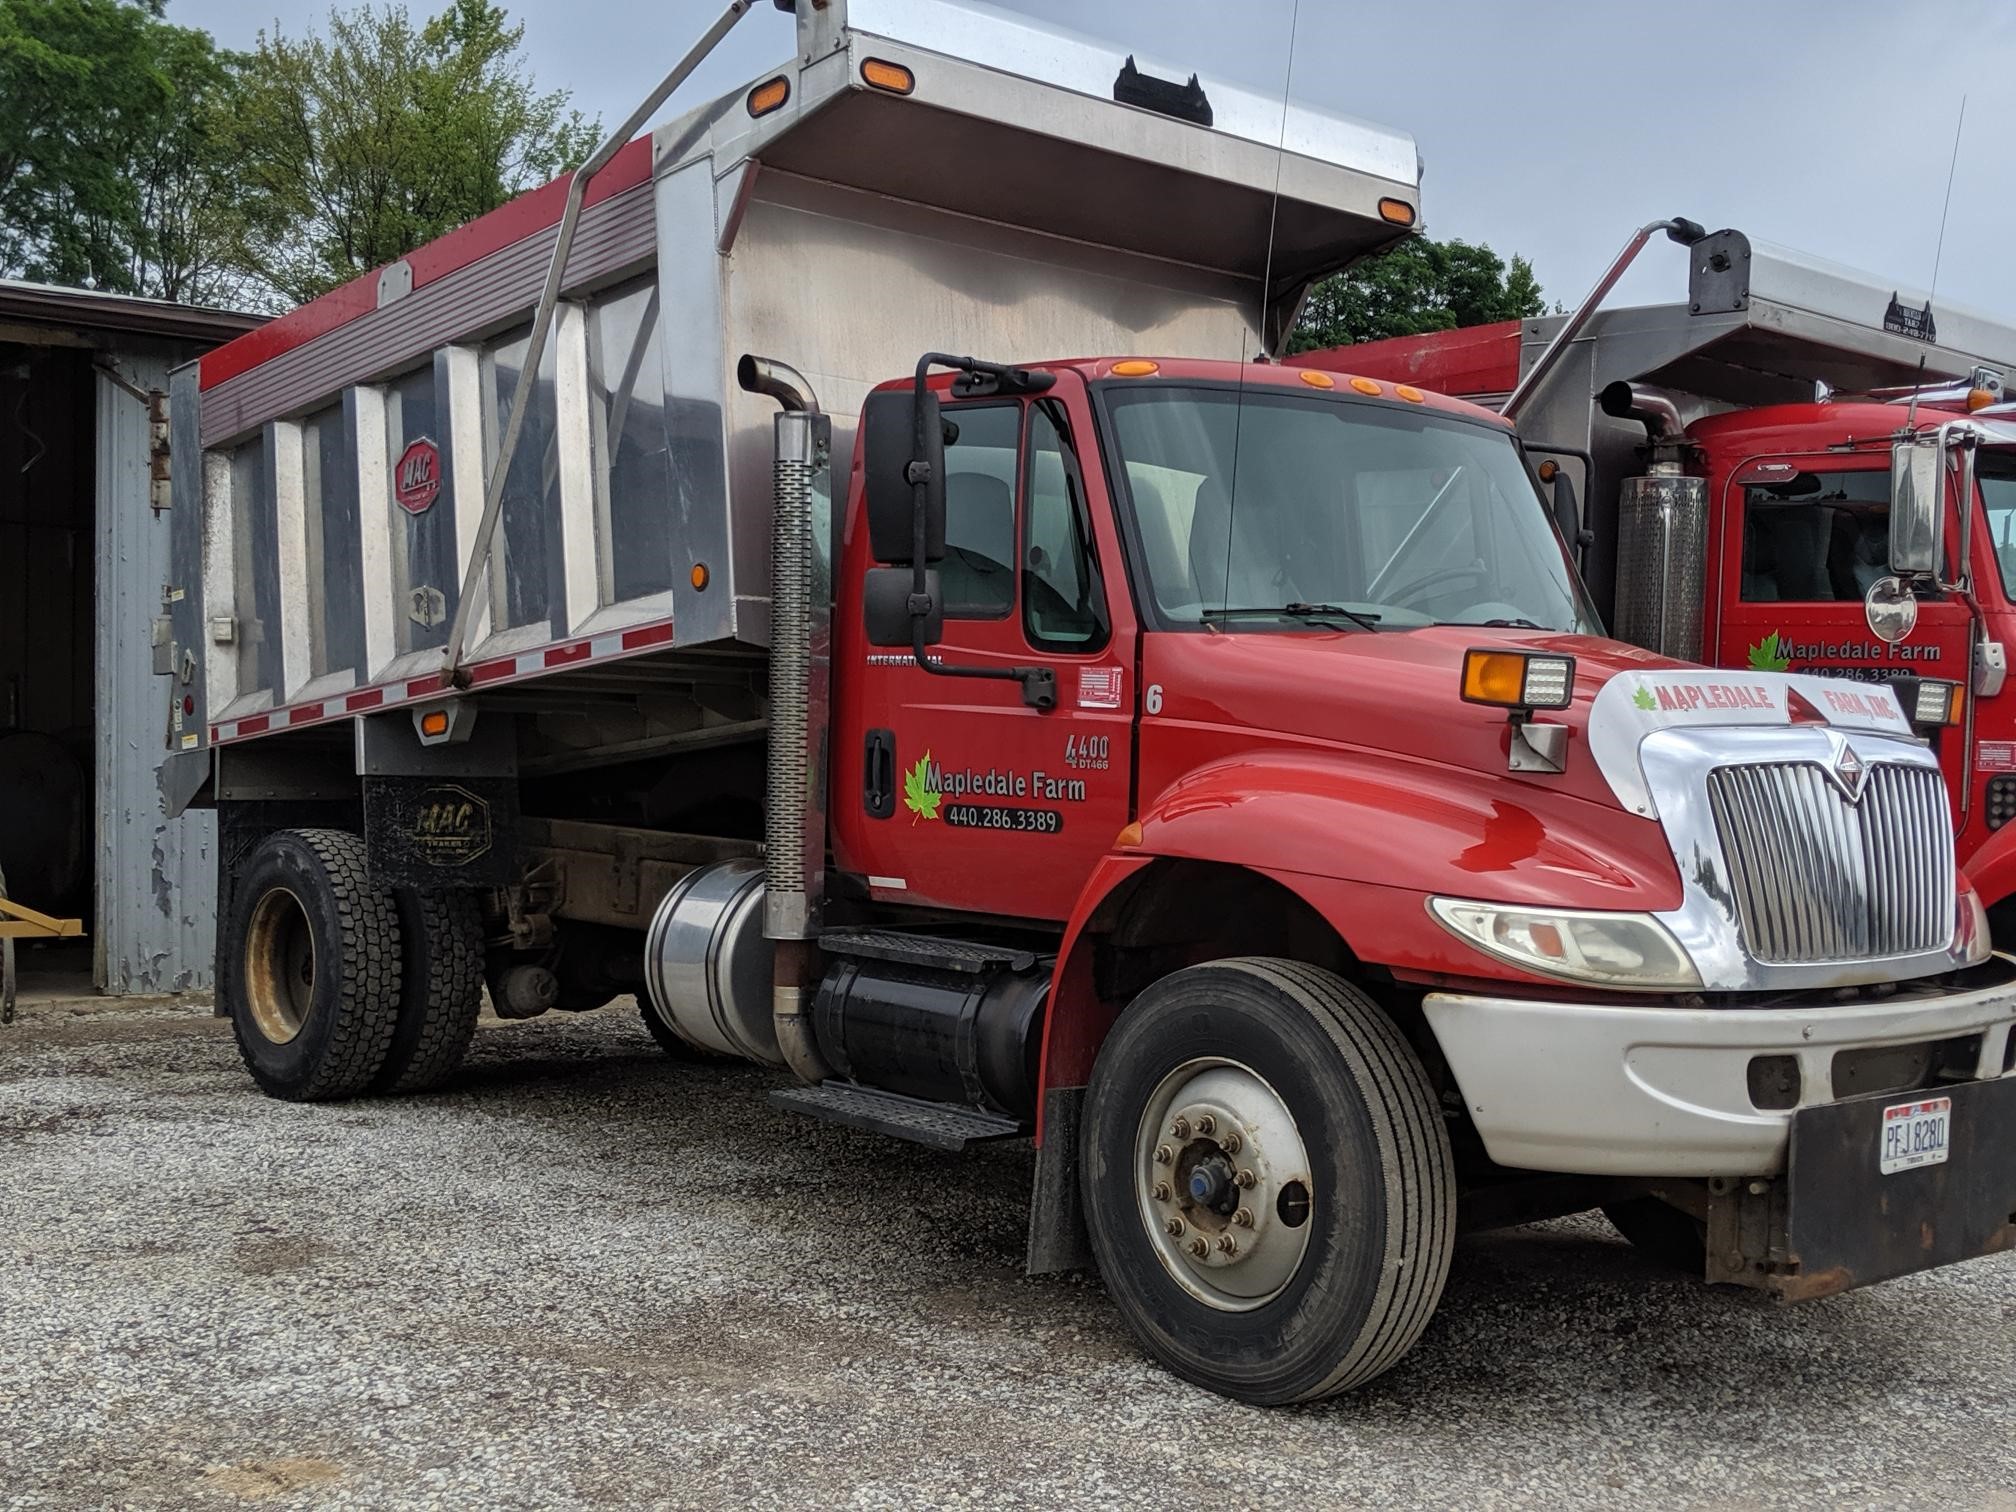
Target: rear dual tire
[[1297, 1244], [336, 989]]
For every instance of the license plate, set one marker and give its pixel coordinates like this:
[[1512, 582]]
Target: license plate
[[1915, 1134]]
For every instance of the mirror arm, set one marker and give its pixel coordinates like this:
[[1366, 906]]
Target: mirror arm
[[1039, 684]]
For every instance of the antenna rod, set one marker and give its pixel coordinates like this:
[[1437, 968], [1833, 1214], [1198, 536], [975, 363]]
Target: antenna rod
[[1938, 255], [1939, 251]]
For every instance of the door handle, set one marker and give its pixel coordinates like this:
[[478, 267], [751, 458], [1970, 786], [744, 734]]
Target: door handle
[[878, 774]]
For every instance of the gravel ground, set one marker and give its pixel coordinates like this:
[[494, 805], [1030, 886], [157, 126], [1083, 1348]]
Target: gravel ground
[[585, 1275]]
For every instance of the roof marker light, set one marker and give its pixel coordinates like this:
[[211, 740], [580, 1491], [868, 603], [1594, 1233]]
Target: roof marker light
[[1366, 386], [1408, 392], [1135, 367], [1318, 379]]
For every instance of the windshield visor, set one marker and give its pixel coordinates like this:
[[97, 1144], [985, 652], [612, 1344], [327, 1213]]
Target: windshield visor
[[1256, 501]]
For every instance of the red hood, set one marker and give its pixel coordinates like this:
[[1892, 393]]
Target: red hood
[[1387, 776], [1396, 693]]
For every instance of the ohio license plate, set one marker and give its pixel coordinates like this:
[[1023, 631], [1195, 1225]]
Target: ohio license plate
[[1915, 1134]]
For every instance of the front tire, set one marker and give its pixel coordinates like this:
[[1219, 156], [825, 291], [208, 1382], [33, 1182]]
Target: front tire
[[309, 964], [1267, 1180]]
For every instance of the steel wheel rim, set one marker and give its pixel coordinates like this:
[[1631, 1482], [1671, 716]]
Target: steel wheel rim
[[1222, 1183], [279, 966]]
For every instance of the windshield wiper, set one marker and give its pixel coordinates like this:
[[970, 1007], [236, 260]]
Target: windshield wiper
[[1303, 611], [1515, 623]]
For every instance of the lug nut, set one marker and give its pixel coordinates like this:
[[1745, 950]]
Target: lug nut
[[1175, 1226], [1231, 1142], [1244, 1217], [1244, 1179], [1161, 1191], [1180, 1128], [1198, 1248], [1206, 1124], [1163, 1154], [1228, 1244]]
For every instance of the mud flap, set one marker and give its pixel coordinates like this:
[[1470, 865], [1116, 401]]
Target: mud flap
[[437, 833], [1834, 1221]]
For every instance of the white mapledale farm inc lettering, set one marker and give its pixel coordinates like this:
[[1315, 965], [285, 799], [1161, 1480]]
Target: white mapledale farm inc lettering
[[996, 783]]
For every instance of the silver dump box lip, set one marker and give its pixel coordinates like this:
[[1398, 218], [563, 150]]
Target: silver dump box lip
[[988, 209]]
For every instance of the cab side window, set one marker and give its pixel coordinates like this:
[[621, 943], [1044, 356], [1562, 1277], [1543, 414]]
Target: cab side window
[[1816, 538], [977, 576], [1063, 600]]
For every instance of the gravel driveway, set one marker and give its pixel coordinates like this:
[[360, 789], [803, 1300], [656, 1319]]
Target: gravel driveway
[[586, 1275]]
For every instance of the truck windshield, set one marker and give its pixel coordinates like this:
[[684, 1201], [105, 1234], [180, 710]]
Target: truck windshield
[[1996, 476], [1271, 510]]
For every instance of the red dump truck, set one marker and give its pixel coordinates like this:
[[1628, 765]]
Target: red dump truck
[[1735, 455], [1211, 770]]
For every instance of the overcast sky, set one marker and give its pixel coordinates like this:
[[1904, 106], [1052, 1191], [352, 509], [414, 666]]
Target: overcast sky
[[1549, 128]]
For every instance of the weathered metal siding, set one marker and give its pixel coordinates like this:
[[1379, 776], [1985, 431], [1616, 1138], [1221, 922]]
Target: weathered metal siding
[[157, 877]]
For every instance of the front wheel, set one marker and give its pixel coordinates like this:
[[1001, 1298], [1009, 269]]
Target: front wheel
[[1267, 1181]]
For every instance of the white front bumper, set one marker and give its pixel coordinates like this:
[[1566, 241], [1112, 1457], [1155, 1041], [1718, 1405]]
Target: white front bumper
[[1621, 1090]]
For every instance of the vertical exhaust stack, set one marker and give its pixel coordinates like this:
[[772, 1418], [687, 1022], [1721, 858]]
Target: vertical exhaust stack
[[1662, 533], [794, 822]]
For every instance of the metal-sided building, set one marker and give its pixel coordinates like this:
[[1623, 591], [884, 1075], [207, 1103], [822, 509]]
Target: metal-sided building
[[83, 562]]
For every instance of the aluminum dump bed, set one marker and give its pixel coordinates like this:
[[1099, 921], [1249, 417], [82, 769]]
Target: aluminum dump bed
[[329, 470]]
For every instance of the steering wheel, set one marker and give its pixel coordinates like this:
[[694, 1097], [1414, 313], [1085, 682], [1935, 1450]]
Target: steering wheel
[[1419, 587]]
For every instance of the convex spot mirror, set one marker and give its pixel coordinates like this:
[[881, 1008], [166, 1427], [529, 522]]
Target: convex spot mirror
[[1917, 509], [1891, 609], [885, 607], [888, 447]]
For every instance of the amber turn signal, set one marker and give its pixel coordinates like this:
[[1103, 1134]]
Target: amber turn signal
[[434, 723], [1396, 212], [1518, 679]]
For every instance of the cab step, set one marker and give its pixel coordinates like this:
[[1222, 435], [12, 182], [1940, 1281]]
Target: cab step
[[942, 1126], [934, 952]]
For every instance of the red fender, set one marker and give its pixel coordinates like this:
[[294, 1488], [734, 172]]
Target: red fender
[[1365, 846], [1992, 867]]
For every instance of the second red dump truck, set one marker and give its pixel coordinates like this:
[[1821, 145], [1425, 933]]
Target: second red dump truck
[[1737, 458], [1211, 770]]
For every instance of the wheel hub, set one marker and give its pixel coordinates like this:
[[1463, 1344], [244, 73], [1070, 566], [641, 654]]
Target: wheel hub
[[1222, 1182]]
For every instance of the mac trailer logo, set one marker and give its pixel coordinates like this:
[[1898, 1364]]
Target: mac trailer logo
[[416, 477], [1901, 320]]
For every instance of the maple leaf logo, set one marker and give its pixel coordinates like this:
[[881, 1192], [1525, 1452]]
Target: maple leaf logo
[[1770, 655], [1644, 699], [917, 795]]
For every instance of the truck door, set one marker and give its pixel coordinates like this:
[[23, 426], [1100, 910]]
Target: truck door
[[1804, 538], [953, 792]]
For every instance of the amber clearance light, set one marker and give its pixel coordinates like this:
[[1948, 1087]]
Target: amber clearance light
[[893, 77], [769, 95], [1396, 212]]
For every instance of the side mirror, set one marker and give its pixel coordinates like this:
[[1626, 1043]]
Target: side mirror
[[889, 445], [1917, 508], [885, 607]]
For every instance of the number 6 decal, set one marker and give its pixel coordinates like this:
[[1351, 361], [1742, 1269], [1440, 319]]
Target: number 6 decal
[[1152, 699]]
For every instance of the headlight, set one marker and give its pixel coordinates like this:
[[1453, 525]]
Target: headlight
[[1971, 940], [1613, 949]]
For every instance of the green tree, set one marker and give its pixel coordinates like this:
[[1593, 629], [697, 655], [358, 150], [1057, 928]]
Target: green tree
[[108, 175], [1420, 285], [355, 148]]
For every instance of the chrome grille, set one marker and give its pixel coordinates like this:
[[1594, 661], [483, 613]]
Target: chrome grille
[[1818, 878]]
